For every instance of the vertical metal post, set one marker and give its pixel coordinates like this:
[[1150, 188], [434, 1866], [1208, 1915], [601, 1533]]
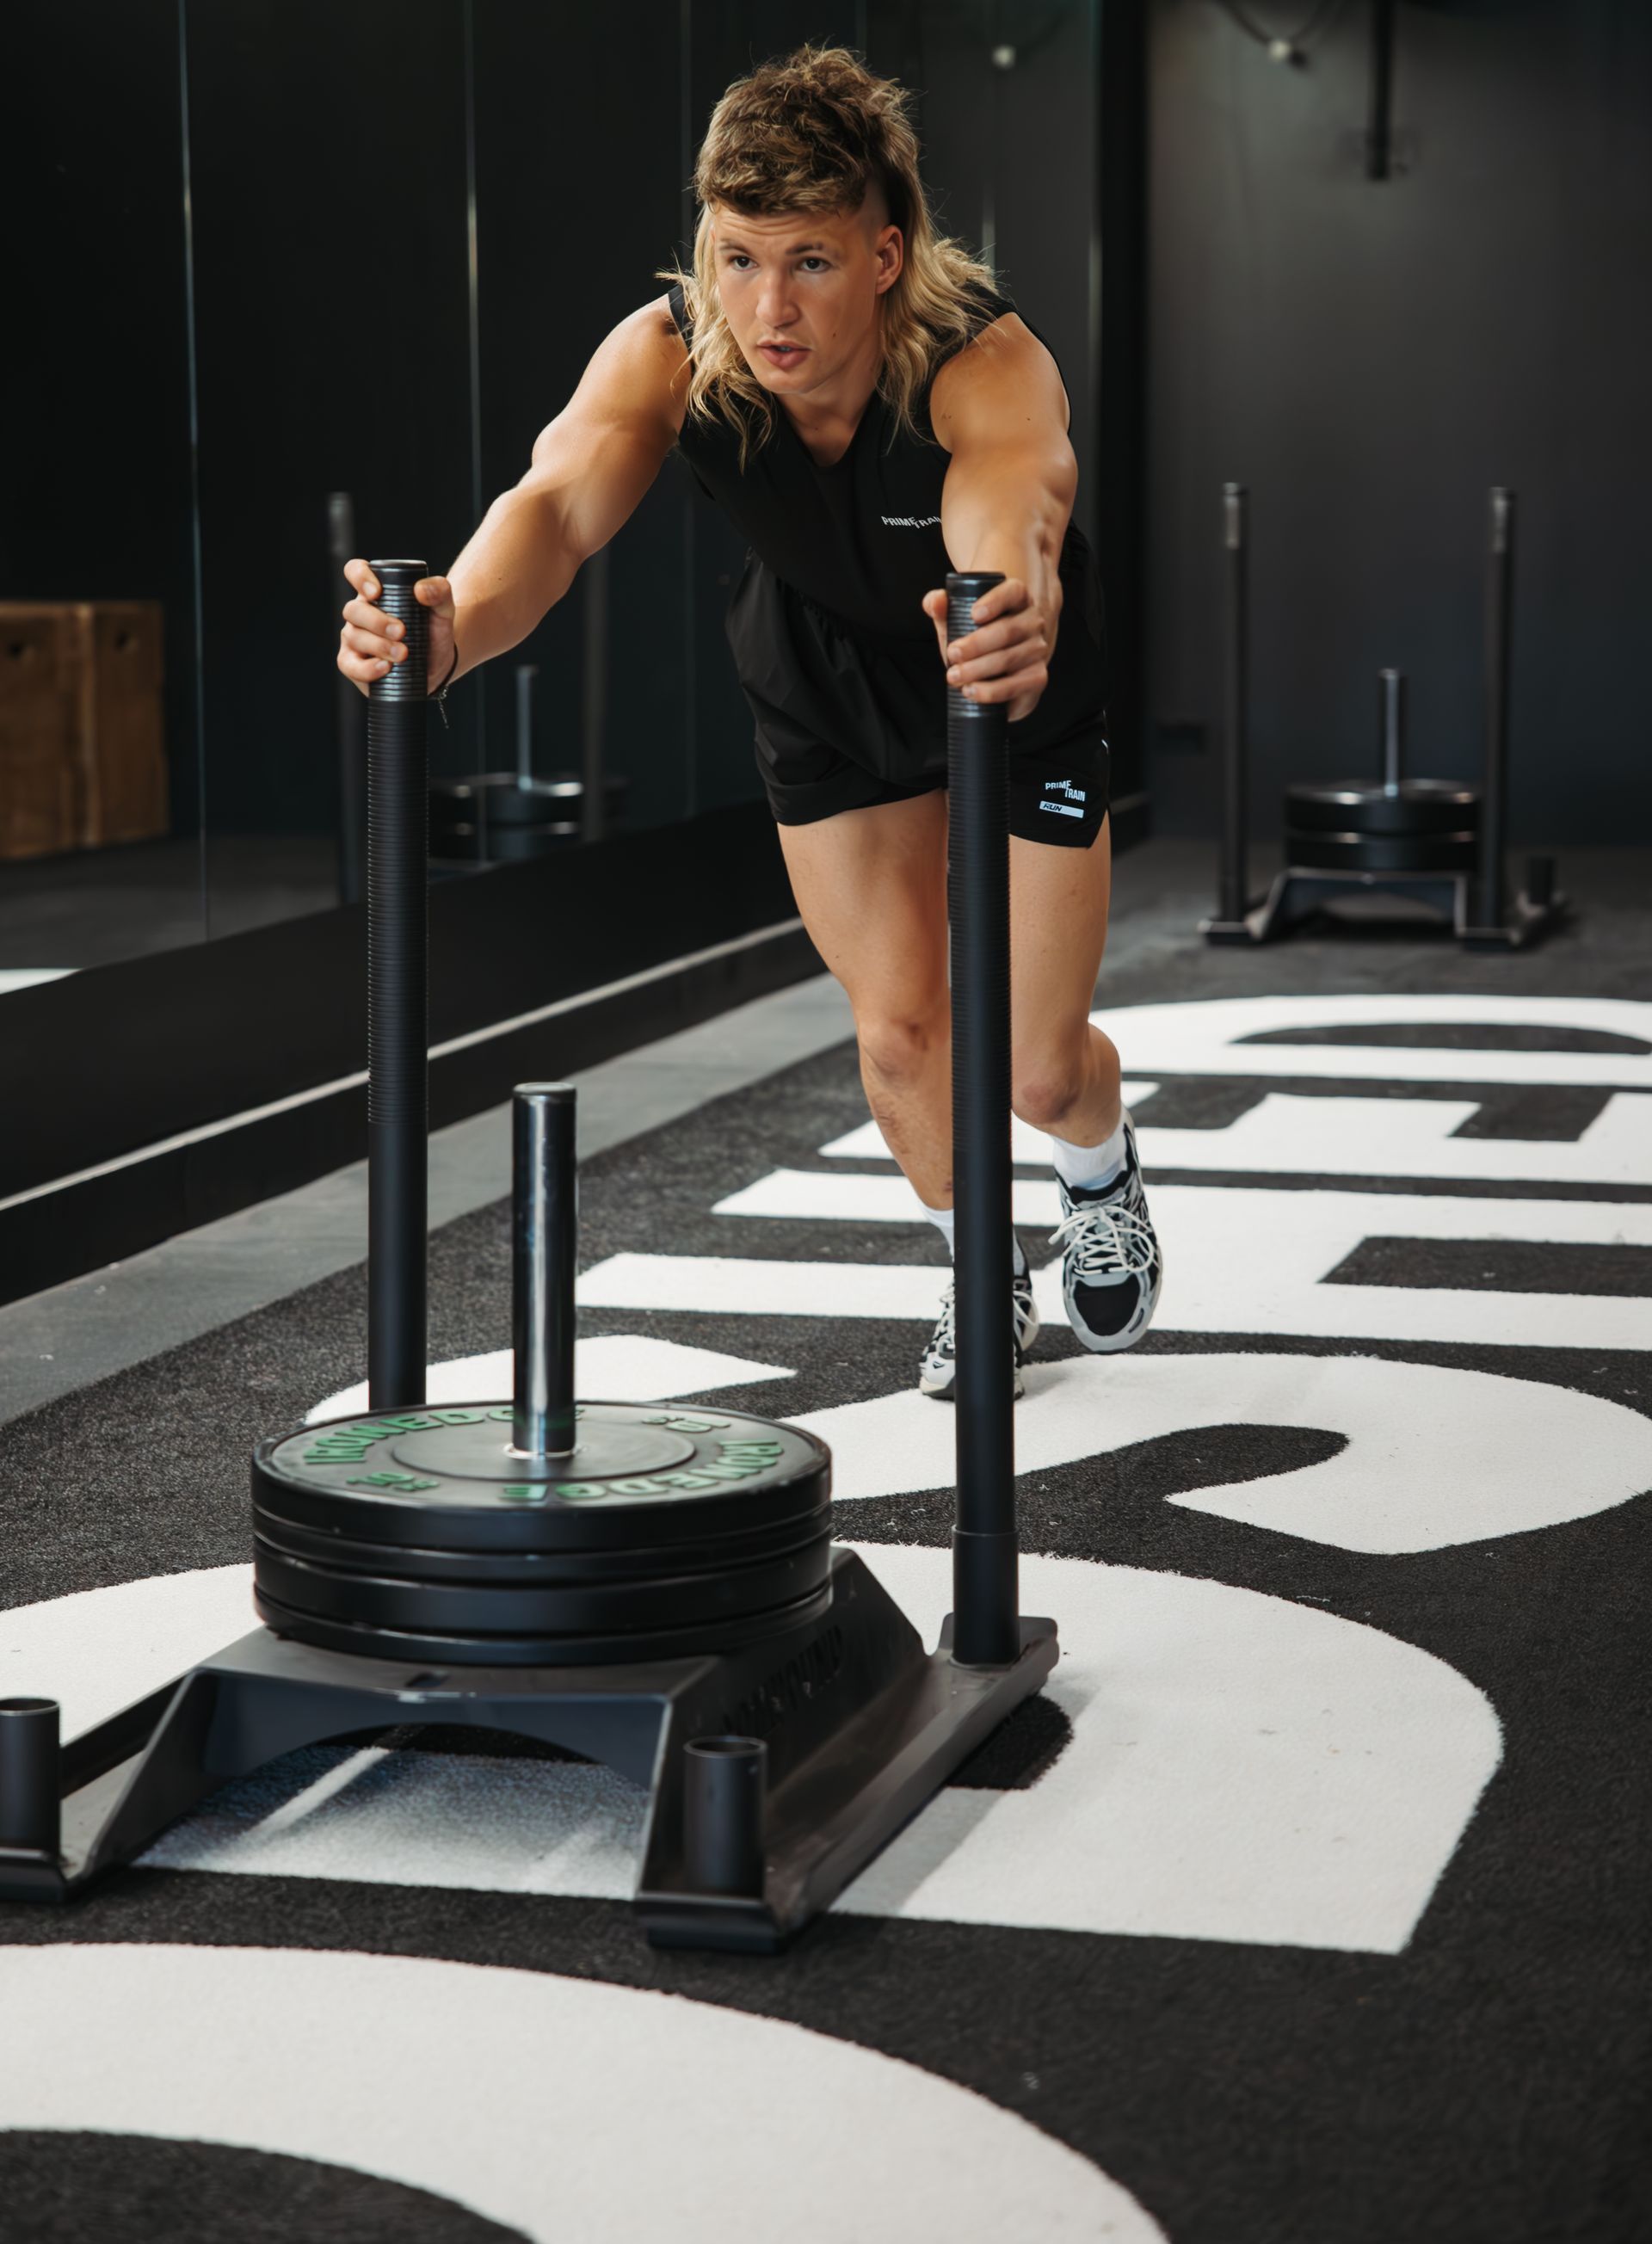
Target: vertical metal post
[[986, 1600], [347, 720], [725, 1780], [30, 1781], [1379, 114], [593, 794], [1390, 690], [1499, 596], [1235, 883], [526, 673], [544, 1252], [397, 1004]]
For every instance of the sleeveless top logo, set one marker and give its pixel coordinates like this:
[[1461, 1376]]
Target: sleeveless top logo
[[909, 521]]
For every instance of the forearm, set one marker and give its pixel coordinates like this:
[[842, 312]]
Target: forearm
[[517, 565], [1010, 516]]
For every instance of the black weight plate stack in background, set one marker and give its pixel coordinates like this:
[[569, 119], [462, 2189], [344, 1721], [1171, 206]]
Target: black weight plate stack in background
[[1348, 806], [1381, 853], [1349, 826]]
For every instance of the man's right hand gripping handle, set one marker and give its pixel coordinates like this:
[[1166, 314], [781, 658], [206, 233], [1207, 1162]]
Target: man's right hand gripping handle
[[371, 642]]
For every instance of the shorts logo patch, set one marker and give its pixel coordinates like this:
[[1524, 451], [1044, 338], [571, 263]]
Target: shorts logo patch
[[1070, 798]]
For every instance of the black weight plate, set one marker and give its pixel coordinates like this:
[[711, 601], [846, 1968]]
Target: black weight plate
[[516, 845], [1348, 806], [502, 799], [1381, 853], [554, 1569], [351, 1476], [510, 1609], [641, 1648]]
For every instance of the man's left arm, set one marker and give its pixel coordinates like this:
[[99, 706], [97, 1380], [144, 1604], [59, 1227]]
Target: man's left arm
[[1000, 409]]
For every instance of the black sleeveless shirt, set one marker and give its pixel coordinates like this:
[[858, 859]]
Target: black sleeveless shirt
[[829, 634]]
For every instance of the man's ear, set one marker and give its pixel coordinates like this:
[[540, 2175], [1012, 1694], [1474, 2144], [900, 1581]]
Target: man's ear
[[891, 251]]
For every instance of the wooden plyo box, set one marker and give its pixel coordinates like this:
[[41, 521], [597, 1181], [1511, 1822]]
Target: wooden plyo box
[[83, 748]]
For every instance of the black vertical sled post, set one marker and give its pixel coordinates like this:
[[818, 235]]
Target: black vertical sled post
[[398, 1004], [543, 1267], [30, 1781], [984, 1574], [1500, 591], [1235, 876]]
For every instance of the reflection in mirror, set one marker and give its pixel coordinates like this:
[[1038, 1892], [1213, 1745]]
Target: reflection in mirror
[[99, 787]]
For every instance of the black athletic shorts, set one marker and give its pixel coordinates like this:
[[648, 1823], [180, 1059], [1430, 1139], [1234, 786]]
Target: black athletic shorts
[[849, 719], [1058, 794]]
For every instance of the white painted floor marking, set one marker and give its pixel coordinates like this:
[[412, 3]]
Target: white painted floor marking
[[1201, 1037], [97, 1651], [515, 2093], [608, 1367], [732, 1285], [1288, 1134], [1242, 1768], [1239, 1260], [24, 977], [1435, 1456]]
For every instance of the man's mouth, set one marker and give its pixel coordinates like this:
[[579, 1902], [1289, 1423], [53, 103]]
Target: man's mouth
[[782, 354]]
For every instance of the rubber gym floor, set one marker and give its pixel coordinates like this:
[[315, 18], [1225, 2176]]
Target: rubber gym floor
[[1308, 1903]]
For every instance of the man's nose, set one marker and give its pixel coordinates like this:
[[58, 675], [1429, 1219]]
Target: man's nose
[[774, 307]]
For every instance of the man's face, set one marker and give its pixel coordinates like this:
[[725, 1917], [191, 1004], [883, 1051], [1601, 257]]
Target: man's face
[[799, 291]]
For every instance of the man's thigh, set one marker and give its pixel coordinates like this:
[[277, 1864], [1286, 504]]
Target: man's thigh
[[870, 885], [1059, 900]]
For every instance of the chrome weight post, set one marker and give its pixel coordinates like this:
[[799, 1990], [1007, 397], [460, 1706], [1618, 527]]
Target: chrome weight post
[[986, 1624], [544, 1262]]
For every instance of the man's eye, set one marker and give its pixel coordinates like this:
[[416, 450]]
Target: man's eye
[[820, 261]]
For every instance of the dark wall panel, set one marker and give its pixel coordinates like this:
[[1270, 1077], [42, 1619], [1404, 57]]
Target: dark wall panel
[[331, 321], [578, 199], [1369, 357], [94, 394]]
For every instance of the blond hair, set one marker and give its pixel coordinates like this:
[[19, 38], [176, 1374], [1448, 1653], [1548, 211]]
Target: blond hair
[[814, 131]]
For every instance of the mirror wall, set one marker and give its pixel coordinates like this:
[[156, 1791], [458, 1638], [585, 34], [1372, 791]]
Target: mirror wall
[[298, 281]]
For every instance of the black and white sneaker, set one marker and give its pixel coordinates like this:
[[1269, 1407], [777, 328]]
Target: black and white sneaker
[[937, 1374], [1111, 1269]]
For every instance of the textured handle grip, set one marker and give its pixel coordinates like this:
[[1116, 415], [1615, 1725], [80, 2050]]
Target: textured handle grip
[[986, 1625], [397, 1002]]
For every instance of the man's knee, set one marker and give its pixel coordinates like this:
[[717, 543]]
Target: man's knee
[[1044, 1087], [898, 1047]]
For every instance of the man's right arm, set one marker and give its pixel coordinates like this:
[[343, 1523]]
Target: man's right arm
[[591, 468]]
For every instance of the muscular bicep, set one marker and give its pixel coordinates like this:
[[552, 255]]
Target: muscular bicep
[[595, 461]]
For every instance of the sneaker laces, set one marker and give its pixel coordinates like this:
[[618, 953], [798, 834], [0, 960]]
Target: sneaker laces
[[1107, 1241]]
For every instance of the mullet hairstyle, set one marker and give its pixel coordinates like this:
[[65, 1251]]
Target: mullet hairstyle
[[813, 132]]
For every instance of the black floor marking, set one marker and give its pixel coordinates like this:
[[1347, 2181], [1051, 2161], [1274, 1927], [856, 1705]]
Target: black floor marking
[[1502, 1266], [82, 2188], [1456, 1035]]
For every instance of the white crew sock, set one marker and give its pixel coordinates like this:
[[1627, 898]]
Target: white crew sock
[[1090, 1166], [941, 1218]]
